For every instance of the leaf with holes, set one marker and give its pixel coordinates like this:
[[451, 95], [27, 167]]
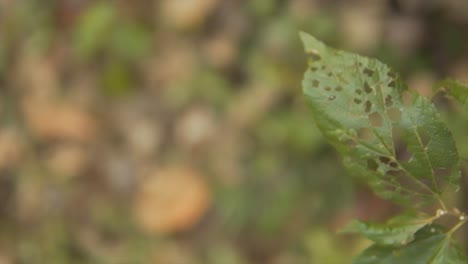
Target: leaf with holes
[[431, 245], [400, 147], [398, 231]]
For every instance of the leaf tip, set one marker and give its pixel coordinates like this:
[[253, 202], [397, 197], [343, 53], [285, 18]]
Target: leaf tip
[[311, 44], [303, 35]]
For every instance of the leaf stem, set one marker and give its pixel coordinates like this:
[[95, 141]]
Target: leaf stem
[[463, 220], [441, 202]]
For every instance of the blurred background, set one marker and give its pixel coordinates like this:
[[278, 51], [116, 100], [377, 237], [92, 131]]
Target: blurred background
[[175, 131]]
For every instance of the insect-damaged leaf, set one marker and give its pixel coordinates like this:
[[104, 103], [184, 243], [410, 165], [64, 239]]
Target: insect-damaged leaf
[[398, 231], [430, 245], [402, 150]]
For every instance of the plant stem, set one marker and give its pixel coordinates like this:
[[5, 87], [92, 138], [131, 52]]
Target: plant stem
[[455, 227], [442, 204]]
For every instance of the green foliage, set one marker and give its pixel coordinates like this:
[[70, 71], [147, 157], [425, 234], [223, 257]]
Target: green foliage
[[395, 141], [454, 89], [325, 249], [458, 92], [431, 245], [131, 41], [99, 29], [93, 28], [397, 231], [120, 44], [358, 105]]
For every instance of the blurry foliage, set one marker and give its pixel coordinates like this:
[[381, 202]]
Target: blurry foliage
[[101, 32], [94, 28], [3, 58], [327, 250], [101, 29], [408, 157], [100, 93]]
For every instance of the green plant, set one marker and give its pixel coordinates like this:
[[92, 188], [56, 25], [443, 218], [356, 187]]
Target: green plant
[[394, 140]]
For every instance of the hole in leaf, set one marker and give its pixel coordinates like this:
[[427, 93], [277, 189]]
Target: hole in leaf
[[315, 83], [328, 88], [394, 114], [331, 97], [329, 74], [391, 74], [392, 84], [423, 136], [388, 161], [323, 67], [402, 153], [313, 68], [365, 133], [339, 89], [368, 106], [400, 147], [384, 160], [396, 174], [359, 64], [368, 72], [372, 165], [359, 91], [375, 119], [367, 88], [357, 101], [388, 101]]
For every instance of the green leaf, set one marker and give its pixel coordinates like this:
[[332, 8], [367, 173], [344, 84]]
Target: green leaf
[[399, 230], [131, 41], [402, 150], [454, 89], [93, 28], [431, 246]]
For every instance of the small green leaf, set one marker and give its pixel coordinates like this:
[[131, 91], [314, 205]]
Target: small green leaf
[[454, 89], [399, 230], [402, 150], [131, 41], [431, 246], [93, 28]]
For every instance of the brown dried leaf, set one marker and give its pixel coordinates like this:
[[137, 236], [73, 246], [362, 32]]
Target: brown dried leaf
[[171, 199], [49, 120]]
